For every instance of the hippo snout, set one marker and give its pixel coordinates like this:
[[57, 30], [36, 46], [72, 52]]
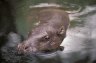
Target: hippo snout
[[25, 48]]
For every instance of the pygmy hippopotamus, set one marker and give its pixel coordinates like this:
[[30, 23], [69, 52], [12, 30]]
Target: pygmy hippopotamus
[[48, 34]]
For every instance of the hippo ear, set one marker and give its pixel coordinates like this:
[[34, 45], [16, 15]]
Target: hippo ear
[[61, 31]]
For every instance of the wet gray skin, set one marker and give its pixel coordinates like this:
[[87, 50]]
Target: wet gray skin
[[48, 34]]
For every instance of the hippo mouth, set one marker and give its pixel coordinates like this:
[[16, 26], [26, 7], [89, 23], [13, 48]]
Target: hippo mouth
[[47, 51], [47, 54], [61, 48], [42, 52]]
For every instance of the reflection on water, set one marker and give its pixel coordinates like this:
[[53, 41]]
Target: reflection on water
[[80, 43]]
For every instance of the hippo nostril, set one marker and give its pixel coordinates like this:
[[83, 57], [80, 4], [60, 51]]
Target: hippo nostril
[[26, 47]]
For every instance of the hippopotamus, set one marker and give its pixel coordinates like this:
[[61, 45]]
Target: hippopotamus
[[48, 34]]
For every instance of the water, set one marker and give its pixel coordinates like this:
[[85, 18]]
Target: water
[[81, 38], [80, 43]]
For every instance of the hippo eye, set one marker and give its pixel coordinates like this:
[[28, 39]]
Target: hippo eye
[[46, 37]]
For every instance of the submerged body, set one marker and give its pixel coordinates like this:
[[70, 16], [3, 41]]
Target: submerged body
[[48, 34]]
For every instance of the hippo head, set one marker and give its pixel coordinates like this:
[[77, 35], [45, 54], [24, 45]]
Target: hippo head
[[43, 39]]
